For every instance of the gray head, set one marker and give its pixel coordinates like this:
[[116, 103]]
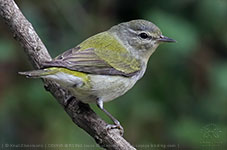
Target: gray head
[[141, 36]]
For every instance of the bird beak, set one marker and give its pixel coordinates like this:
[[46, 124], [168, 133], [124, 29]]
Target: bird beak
[[165, 39]]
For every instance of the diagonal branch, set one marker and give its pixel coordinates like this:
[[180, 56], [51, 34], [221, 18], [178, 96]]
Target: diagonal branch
[[80, 113]]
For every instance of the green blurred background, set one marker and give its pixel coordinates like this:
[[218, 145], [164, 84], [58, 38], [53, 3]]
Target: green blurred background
[[181, 103]]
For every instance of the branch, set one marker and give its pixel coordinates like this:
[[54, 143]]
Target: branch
[[80, 113]]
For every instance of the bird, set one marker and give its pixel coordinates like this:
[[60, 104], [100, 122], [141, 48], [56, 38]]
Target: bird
[[106, 65]]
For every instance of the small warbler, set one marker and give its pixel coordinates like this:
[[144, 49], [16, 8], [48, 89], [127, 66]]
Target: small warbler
[[106, 65]]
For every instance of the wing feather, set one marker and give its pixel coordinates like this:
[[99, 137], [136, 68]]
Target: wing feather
[[107, 58]]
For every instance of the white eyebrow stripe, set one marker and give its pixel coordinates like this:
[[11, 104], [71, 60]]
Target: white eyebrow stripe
[[133, 31], [150, 36]]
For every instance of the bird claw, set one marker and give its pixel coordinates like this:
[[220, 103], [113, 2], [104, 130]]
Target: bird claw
[[115, 126]]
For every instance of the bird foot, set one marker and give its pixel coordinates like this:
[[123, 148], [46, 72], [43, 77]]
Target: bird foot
[[115, 126]]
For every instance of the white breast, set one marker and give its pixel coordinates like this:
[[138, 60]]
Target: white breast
[[110, 87], [104, 87]]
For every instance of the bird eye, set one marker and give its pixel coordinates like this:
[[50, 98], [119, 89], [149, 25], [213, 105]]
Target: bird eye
[[143, 35]]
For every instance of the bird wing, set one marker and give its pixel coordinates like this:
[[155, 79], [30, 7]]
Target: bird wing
[[100, 54]]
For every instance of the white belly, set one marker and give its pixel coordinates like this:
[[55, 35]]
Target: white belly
[[105, 88], [102, 87]]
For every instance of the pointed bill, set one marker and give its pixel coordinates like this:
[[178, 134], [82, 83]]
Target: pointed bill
[[166, 39]]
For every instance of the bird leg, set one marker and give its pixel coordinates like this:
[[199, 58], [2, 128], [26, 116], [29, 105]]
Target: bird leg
[[116, 122]]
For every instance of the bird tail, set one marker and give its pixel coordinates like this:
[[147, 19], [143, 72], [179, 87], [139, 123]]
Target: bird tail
[[38, 73]]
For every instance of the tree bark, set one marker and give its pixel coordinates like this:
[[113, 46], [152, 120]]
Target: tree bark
[[80, 113]]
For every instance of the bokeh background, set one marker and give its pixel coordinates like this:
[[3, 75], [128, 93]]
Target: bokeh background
[[181, 103]]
